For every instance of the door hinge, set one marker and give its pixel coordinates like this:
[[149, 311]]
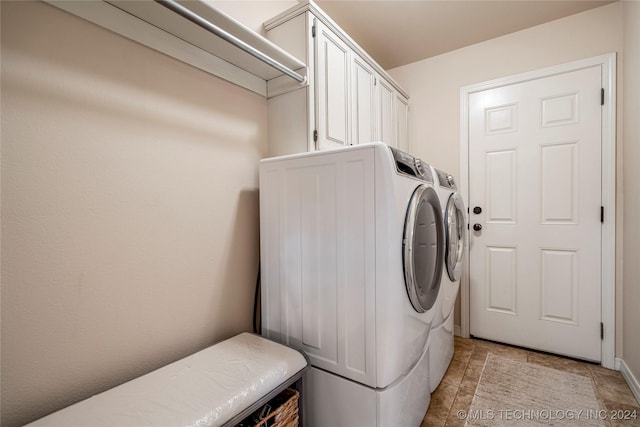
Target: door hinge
[[602, 96], [601, 330], [602, 214], [313, 32]]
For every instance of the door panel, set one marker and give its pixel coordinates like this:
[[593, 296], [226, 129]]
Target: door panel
[[501, 279], [559, 195], [501, 186], [559, 286], [535, 170]]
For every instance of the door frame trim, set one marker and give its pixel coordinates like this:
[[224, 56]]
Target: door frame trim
[[608, 281]]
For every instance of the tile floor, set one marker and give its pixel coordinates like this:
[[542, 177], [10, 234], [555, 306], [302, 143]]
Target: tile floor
[[458, 386]]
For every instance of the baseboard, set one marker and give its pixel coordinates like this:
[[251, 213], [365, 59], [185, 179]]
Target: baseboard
[[628, 376], [456, 330]]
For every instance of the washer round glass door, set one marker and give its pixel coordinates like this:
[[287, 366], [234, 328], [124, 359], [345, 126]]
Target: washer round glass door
[[455, 236], [423, 248]]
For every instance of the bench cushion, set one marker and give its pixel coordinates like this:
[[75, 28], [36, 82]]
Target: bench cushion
[[207, 388]]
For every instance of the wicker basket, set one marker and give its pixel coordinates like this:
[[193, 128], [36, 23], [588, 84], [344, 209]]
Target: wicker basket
[[285, 413]]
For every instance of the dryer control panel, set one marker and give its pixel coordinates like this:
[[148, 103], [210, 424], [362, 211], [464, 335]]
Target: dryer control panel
[[406, 164], [446, 180]]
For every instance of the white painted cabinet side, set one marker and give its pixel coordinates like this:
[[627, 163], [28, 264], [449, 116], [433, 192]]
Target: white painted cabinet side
[[291, 112], [290, 36], [288, 121]]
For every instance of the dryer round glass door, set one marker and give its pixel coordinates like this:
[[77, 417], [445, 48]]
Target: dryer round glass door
[[455, 236], [423, 248]]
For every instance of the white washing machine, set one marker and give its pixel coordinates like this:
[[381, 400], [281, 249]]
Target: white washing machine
[[455, 223], [352, 252]]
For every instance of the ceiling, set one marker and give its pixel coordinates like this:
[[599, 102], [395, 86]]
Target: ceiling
[[400, 32]]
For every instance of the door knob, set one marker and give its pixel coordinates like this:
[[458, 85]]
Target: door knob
[[477, 227], [477, 210]]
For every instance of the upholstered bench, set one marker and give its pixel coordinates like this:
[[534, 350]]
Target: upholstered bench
[[220, 385]]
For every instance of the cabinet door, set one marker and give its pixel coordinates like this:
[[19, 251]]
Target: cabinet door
[[332, 89], [386, 113], [363, 101], [402, 117]]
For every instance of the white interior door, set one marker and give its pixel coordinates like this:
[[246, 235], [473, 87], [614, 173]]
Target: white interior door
[[535, 174]]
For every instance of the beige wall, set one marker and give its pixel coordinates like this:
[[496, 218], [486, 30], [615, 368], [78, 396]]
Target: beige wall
[[434, 85], [129, 209], [631, 352]]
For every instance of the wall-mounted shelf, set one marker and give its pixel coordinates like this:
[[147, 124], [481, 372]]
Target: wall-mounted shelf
[[154, 25]]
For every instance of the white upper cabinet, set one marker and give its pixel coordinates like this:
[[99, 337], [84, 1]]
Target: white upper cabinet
[[363, 111], [386, 114], [402, 123], [349, 100], [332, 79]]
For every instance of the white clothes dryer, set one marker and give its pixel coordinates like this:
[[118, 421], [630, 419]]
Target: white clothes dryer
[[455, 224], [352, 252]]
